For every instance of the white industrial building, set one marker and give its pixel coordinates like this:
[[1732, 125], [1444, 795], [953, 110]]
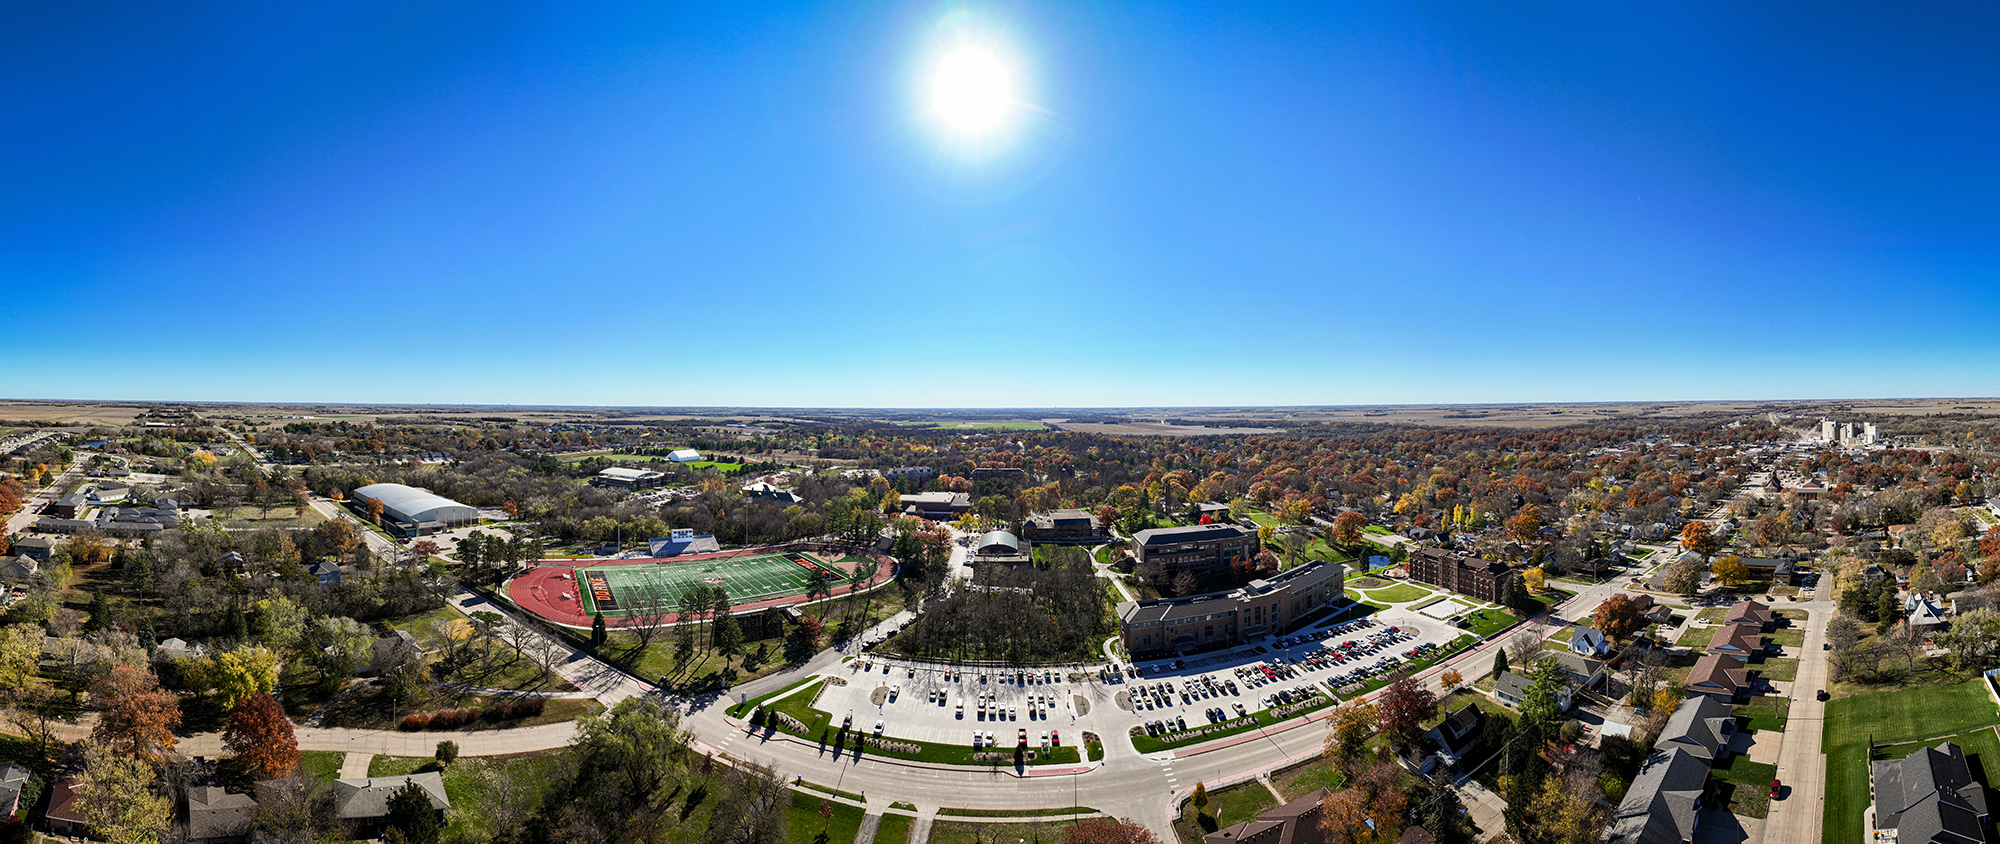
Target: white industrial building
[[414, 511], [685, 455]]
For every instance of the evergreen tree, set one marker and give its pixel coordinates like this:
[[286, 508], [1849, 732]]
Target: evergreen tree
[[1499, 662], [411, 815], [597, 633]]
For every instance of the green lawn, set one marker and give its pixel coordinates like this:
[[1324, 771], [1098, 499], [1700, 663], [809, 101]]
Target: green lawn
[[465, 782], [252, 516], [1234, 804], [1748, 785], [894, 829], [1713, 615], [1489, 621], [973, 832], [1790, 637], [1894, 717], [803, 820], [1378, 530], [1766, 713], [1781, 668], [1307, 777], [1400, 593], [324, 764]]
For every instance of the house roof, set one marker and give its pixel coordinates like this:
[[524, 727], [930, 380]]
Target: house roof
[[368, 797], [1511, 685], [1661, 805], [1460, 730], [1701, 725], [1588, 637], [1000, 538], [215, 813], [62, 801], [1752, 611], [1296, 822], [1742, 638], [1719, 673], [1930, 796]]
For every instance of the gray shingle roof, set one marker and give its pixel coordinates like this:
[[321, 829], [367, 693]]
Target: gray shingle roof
[[1662, 804], [214, 813], [1930, 797], [1192, 533], [1702, 725], [368, 797]]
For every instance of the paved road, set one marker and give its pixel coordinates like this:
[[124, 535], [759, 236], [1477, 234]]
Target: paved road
[[31, 509], [1796, 819]]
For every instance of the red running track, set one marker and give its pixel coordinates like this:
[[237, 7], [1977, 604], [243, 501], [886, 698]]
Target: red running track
[[540, 590]]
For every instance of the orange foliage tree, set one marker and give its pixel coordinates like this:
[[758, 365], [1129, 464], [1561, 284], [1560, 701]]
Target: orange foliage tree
[[139, 716], [261, 736]]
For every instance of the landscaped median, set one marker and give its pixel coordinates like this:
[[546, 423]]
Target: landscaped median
[[1210, 732], [791, 711]]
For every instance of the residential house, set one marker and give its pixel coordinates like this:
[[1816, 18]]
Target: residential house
[[1458, 735], [1930, 797], [1741, 640], [1701, 725], [64, 817], [1511, 688], [38, 547], [1581, 671], [1723, 677], [1923, 612], [215, 816], [1654, 611], [18, 568], [1664, 801], [326, 572], [1751, 612], [1297, 822], [15, 780], [1589, 641], [393, 650], [363, 803]]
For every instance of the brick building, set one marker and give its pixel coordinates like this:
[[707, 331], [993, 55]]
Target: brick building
[[1459, 573]]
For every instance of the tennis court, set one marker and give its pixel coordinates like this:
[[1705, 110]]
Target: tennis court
[[624, 590]]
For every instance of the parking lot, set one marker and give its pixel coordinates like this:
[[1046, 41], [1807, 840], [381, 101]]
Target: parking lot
[[948, 705], [1172, 695], [952, 705]]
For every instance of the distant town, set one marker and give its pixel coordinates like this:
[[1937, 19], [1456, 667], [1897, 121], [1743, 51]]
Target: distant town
[[1766, 623]]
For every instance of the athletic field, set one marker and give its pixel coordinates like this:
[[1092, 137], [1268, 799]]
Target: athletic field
[[570, 592], [650, 589]]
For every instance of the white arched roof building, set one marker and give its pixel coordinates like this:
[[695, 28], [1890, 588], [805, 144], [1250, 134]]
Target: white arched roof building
[[415, 505]]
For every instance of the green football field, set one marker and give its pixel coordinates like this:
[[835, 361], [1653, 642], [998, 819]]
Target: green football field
[[749, 579]]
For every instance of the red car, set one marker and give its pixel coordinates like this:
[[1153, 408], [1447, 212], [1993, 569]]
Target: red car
[[1055, 738], [1024, 738], [1777, 788]]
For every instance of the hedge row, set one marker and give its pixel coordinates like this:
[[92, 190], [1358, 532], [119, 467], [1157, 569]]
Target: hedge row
[[451, 719]]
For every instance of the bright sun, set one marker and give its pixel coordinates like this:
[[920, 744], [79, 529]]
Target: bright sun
[[972, 90]]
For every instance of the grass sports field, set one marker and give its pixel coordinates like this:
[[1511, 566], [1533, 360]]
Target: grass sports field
[[623, 590]]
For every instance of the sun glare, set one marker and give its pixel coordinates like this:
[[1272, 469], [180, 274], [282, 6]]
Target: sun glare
[[972, 90]]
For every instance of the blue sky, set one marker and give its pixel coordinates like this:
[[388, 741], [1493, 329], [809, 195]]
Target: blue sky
[[728, 204]]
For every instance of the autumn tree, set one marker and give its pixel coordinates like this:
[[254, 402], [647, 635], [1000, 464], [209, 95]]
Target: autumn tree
[[116, 797], [1450, 680], [1108, 831], [1404, 707], [1525, 527], [1370, 810], [1618, 617], [139, 717], [1731, 570], [261, 736], [1559, 815], [1683, 576], [375, 511], [1347, 527], [234, 675], [1348, 729], [1698, 537]]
